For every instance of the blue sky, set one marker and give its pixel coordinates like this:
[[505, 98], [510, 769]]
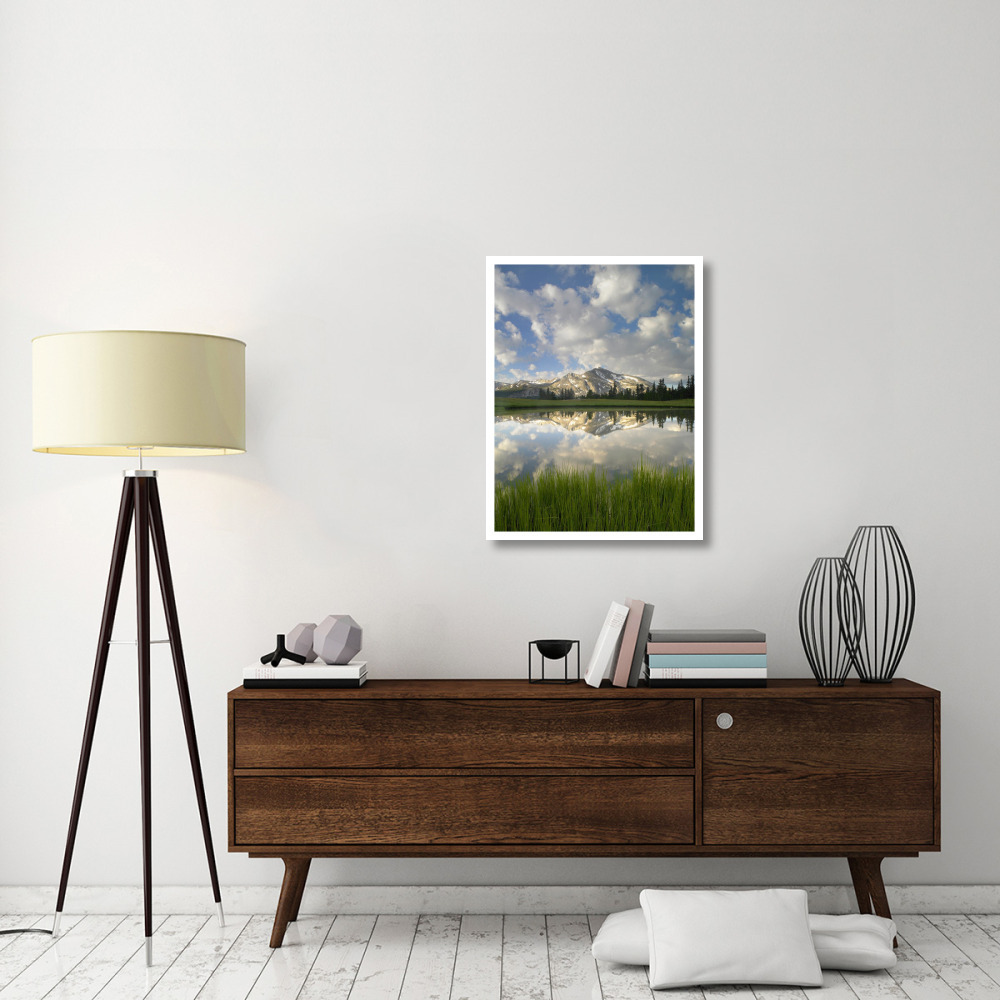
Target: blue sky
[[637, 319]]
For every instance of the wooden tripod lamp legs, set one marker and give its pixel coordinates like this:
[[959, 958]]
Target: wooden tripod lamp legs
[[140, 504]]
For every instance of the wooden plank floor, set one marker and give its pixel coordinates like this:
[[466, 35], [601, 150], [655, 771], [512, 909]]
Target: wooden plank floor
[[514, 957]]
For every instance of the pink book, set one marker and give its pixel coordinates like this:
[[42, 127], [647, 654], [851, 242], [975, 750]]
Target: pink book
[[630, 636], [706, 647]]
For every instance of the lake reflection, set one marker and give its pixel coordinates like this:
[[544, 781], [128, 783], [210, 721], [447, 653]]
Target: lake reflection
[[526, 442]]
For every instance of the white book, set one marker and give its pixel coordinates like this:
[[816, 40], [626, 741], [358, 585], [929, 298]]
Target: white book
[[603, 657], [306, 671], [707, 673]]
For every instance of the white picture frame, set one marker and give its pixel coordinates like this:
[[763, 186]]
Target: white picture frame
[[574, 322]]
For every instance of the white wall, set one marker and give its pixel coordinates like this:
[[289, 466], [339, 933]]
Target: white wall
[[323, 180]]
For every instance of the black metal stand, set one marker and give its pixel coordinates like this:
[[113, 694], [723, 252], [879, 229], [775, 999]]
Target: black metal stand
[[141, 502], [553, 649]]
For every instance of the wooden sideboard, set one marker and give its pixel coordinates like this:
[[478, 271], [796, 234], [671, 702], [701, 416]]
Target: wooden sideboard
[[465, 768]]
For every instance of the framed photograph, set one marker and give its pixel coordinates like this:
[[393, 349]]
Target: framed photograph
[[595, 404]]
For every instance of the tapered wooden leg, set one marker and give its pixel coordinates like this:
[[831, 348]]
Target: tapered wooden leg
[[180, 674], [294, 882], [866, 873], [125, 512], [141, 541], [861, 889], [297, 901]]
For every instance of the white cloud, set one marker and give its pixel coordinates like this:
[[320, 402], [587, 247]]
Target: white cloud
[[504, 350], [618, 287], [657, 326], [508, 299], [534, 375], [513, 333], [582, 326]]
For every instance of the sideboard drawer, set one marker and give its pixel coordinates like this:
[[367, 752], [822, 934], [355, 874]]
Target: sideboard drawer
[[484, 809], [449, 733]]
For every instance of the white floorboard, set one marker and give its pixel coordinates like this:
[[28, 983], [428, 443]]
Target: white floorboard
[[525, 959], [24, 949], [947, 959], [170, 938], [434, 957], [234, 977], [834, 987], [103, 963], [973, 941], [286, 971], [57, 962], [336, 967], [572, 968], [196, 964], [380, 975], [479, 960]]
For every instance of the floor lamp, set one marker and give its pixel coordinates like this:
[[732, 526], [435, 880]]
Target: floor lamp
[[139, 393]]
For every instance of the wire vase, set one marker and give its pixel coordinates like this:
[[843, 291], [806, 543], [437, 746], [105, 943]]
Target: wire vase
[[882, 572], [830, 615]]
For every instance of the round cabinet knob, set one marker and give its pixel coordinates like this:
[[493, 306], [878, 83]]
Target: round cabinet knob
[[724, 720]]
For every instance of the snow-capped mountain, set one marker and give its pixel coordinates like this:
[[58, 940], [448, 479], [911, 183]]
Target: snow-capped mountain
[[599, 380]]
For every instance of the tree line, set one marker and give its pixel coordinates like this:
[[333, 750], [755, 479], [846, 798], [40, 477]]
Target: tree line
[[660, 392]]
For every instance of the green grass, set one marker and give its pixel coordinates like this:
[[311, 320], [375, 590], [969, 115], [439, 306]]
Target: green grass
[[652, 498], [501, 404]]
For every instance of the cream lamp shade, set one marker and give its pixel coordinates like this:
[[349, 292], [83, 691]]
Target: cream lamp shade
[[114, 392]]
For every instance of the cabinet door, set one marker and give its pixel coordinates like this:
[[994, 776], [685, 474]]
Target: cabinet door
[[819, 772]]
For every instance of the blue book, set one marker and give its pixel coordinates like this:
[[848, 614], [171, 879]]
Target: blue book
[[723, 661], [669, 682]]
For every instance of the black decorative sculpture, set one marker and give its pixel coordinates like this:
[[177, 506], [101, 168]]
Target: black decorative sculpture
[[280, 653], [830, 620], [879, 565]]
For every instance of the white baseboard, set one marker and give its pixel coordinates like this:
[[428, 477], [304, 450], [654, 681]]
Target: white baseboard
[[459, 899]]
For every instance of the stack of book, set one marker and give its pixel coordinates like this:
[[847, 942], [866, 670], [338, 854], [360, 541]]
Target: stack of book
[[727, 657], [620, 651], [306, 675]]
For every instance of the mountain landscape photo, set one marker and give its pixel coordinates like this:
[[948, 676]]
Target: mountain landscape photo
[[597, 382], [595, 398]]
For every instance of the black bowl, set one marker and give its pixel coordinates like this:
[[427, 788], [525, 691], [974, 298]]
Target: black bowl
[[554, 649]]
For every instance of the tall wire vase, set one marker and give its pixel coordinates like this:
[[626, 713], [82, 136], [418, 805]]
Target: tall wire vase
[[882, 572], [830, 616]]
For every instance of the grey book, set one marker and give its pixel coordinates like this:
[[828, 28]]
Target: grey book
[[638, 657], [706, 635]]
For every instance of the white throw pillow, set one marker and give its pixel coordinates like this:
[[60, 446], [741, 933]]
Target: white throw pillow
[[623, 938], [860, 942], [715, 936]]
